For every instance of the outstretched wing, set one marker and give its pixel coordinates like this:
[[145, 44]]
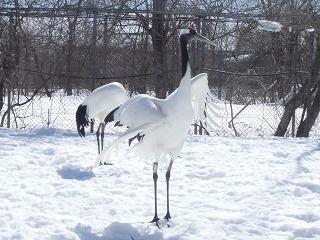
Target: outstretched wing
[[139, 114], [206, 109], [104, 156]]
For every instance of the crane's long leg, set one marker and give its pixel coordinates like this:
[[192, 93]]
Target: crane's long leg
[[155, 178], [103, 126], [91, 125], [167, 216], [98, 136]]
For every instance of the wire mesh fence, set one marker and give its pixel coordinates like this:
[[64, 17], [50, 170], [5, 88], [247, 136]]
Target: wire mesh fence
[[57, 56], [58, 111]]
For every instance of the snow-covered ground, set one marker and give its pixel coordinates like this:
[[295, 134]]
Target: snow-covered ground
[[221, 188]]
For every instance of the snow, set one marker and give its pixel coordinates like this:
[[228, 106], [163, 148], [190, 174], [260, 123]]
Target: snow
[[269, 26], [221, 188], [310, 30]]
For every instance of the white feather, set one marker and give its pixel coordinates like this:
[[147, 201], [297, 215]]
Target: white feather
[[204, 102], [104, 99], [163, 122]]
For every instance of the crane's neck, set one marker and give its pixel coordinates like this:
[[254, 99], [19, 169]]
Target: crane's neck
[[184, 54], [185, 83]]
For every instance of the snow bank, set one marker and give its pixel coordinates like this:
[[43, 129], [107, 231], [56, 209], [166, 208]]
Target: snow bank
[[221, 188]]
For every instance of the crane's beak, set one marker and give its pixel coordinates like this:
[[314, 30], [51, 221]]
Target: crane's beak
[[203, 39]]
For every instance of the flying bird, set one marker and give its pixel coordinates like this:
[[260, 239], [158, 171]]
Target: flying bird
[[160, 125], [97, 105]]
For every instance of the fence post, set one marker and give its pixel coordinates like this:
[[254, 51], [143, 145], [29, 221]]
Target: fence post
[[293, 119], [105, 49], [10, 66], [94, 49]]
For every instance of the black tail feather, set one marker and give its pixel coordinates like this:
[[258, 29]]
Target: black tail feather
[[118, 124], [139, 137], [82, 120]]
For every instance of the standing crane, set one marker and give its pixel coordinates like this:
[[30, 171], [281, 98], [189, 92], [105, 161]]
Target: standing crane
[[160, 125], [97, 105]]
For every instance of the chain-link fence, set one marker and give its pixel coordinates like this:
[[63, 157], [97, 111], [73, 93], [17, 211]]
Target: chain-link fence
[[57, 111], [52, 58], [254, 120]]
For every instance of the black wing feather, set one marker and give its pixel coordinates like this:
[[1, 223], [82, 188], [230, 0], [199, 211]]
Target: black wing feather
[[82, 120]]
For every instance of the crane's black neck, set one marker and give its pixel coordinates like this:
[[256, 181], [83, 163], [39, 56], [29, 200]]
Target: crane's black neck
[[184, 54]]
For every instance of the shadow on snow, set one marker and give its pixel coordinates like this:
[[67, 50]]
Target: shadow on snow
[[76, 173], [300, 167], [116, 231]]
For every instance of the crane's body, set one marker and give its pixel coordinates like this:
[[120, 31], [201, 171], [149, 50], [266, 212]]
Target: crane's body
[[97, 105], [161, 125], [103, 99], [155, 121]]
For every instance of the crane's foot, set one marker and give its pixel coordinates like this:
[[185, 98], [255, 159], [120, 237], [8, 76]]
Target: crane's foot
[[156, 220], [167, 216]]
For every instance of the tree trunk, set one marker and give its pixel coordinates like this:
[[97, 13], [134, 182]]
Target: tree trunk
[[286, 117], [301, 98], [1, 94], [158, 34], [306, 125]]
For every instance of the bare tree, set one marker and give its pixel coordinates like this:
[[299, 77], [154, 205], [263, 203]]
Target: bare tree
[[10, 48], [309, 89], [307, 94]]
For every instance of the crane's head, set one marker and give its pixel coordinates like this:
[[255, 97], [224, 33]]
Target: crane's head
[[189, 33]]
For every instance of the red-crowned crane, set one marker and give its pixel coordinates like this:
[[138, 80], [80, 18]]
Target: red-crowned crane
[[97, 105], [160, 125]]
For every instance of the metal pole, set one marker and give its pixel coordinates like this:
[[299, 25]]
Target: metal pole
[[105, 48], [94, 49], [198, 46], [293, 119], [10, 45], [204, 33], [219, 66]]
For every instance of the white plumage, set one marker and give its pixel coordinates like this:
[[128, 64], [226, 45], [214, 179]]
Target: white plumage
[[107, 97], [104, 99], [97, 105], [160, 125], [157, 120], [204, 103]]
